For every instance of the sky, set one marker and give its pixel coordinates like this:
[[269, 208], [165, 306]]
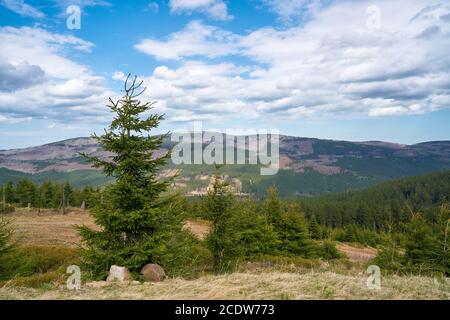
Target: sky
[[345, 70]]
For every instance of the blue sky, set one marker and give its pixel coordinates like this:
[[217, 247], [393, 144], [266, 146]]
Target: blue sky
[[348, 70]]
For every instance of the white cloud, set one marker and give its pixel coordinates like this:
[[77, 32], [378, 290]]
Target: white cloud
[[39, 47], [13, 120], [331, 66], [215, 9], [195, 39], [119, 76], [22, 8], [396, 110], [188, 94], [43, 82]]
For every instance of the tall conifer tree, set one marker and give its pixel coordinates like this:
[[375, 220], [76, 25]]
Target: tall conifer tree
[[135, 218]]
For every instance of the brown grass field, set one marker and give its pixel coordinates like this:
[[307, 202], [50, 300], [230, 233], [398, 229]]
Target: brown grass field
[[252, 281], [49, 227], [266, 285]]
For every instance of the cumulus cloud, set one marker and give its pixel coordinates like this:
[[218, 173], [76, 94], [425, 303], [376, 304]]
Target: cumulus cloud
[[196, 39], [188, 88], [22, 75], [38, 80], [334, 65], [215, 9], [22, 8]]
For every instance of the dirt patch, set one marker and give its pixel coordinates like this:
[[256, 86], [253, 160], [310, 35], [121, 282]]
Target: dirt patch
[[355, 253], [199, 228]]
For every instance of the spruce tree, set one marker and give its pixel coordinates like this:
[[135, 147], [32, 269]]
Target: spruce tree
[[315, 229], [247, 233], [422, 247], [26, 192], [219, 204], [273, 207], [135, 216], [46, 192], [68, 194], [292, 230], [10, 193]]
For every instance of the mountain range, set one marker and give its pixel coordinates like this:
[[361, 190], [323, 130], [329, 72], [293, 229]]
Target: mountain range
[[308, 166]]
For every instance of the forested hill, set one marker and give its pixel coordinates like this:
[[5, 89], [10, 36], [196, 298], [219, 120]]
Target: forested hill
[[385, 205], [308, 166]]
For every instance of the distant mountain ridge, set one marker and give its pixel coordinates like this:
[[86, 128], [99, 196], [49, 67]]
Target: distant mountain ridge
[[303, 162]]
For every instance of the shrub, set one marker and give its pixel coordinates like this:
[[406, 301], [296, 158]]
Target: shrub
[[292, 231], [239, 232], [426, 248], [357, 234], [219, 205], [423, 251], [28, 261], [248, 234], [39, 279], [186, 256], [328, 251], [389, 259]]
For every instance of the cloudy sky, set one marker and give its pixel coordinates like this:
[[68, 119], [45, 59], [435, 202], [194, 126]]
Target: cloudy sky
[[353, 70]]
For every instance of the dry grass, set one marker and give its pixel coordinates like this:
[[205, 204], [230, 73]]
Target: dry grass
[[268, 280], [200, 228], [49, 227], [273, 285]]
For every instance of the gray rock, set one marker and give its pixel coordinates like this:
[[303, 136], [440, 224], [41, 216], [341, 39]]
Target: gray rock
[[120, 274], [153, 273]]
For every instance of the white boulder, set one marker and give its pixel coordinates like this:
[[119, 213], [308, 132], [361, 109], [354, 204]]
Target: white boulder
[[120, 274]]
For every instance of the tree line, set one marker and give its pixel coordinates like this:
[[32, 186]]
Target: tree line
[[385, 207], [48, 194]]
